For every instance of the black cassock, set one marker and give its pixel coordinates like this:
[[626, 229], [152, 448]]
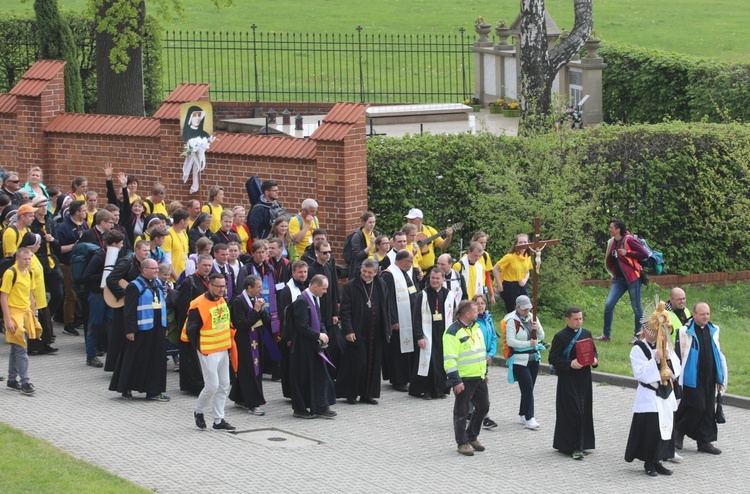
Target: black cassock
[[574, 426], [310, 384], [191, 376], [435, 383], [141, 364], [359, 372], [397, 366], [247, 388], [283, 300]]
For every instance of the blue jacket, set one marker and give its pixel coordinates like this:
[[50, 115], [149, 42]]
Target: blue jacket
[[487, 325], [689, 349], [69, 233]]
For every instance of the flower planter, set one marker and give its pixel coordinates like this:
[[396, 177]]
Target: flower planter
[[512, 113], [495, 109], [477, 107]]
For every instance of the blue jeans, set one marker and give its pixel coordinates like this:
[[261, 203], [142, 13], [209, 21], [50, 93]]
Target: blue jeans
[[618, 289]]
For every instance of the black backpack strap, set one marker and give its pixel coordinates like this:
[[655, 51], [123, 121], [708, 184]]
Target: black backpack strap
[[645, 349]]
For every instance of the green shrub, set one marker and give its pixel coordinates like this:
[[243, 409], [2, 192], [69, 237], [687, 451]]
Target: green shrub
[[681, 186]]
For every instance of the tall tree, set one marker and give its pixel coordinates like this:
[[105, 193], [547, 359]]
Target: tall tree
[[56, 43], [119, 51], [539, 65]]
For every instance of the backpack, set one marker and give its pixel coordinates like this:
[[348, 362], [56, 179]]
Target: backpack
[[148, 205], [287, 329], [654, 260], [276, 210], [507, 351], [348, 257], [2, 232], [80, 256], [7, 263]]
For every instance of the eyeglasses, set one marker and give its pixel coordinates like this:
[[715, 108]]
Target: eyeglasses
[[13, 181], [327, 252], [223, 287]]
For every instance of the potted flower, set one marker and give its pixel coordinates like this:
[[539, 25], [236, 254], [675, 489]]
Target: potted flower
[[497, 106], [512, 109], [503, 33], [482, 28], [475, 103], [570, 116]]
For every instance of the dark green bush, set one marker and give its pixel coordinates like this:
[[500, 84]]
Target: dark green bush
[[681, 186]]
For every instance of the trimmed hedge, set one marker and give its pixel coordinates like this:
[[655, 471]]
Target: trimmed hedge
[[681, 186], [650, 86], [19, 50]]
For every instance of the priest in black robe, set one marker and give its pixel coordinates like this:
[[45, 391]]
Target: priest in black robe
[[248, 316], [574, 425], [329, 302], [192, 287], [439, 315], [704, 372], [366, 328], [285, 297], [397, 364], [311, 386], [141, 365]]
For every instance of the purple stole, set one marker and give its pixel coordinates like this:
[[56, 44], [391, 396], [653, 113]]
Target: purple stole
[[253, 338], [269, 295], [315, 322]]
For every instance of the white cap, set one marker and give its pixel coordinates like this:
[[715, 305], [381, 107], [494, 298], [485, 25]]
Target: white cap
[[414, 213], [523, 302]]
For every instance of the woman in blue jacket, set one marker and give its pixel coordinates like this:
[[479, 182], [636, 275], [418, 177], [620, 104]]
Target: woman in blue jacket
[[490, 340]]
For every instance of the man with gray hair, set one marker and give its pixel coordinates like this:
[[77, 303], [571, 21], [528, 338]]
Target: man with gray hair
[[11, 185], [301, 225]]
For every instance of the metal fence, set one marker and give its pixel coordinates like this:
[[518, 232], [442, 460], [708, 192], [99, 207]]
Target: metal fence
[[373, 68]]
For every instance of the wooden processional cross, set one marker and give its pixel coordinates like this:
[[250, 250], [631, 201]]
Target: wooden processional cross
[[537, 246]]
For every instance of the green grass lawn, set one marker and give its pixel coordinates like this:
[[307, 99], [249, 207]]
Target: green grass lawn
[[716, 30], [729, 310], [21, 455]]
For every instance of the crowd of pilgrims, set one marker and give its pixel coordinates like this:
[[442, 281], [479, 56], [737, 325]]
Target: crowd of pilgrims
[[190, 241]]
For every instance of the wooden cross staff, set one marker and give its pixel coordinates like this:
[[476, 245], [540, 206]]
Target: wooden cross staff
[[537, 246]]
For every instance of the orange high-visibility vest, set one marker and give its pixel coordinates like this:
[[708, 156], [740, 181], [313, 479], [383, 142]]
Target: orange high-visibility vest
[[214, 335]]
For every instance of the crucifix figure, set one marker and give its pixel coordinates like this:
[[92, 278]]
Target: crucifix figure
[[537, 246]]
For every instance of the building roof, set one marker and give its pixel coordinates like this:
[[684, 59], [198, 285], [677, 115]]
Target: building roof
[[184, 93], [266, 146], [35, 80], [339, 121], [7, 103], [77, 123]]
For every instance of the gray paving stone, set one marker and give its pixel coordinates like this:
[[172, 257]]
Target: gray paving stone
[[404, 444]]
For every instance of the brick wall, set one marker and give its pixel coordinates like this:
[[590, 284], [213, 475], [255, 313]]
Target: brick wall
[[336, 177]]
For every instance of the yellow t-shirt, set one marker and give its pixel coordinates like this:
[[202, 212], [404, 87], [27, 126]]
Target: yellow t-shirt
[[177, 244], [514, 267], [244, 237], [158, 208], [471, 277], [133, 197], [295, 226], [12, 239], [18, 293], [417, 256], [40, 289], [90, 217], [427, 259], [215, 212]]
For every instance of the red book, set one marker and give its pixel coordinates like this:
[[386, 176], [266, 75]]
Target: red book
[[585, 351]]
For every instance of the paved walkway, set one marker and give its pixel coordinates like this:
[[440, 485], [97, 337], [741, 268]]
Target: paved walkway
[[404, 444]]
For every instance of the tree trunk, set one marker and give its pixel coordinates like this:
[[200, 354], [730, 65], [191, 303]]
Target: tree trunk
[[540, 66], [119, 93]]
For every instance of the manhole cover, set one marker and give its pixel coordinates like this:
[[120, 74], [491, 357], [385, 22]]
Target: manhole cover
[[277, 438]]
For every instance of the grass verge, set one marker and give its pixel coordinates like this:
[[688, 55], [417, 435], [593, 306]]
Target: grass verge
[[29, 464]]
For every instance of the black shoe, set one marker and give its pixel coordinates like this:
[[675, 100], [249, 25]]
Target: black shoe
[[401, 387], [69, 329], [200, 422], [14, 386], [303, 415], [326, 414], [94, 362], [27, 389], [679, 438], [369, 401], [48, 350], [650, 470], [127, 395], [224, 426], [488, 423], [351, 401], [662, 470], [709, 448]]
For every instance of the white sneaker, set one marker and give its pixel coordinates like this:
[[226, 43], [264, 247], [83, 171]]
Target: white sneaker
[[522, 420], [532, 424], [676, 458], [257, 411]]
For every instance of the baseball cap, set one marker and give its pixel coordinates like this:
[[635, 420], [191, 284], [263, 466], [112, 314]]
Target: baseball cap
[[523, 302], [26, 208], [414, 213]]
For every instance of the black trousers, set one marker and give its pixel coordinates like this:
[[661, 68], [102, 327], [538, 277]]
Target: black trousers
[[475, 392]]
